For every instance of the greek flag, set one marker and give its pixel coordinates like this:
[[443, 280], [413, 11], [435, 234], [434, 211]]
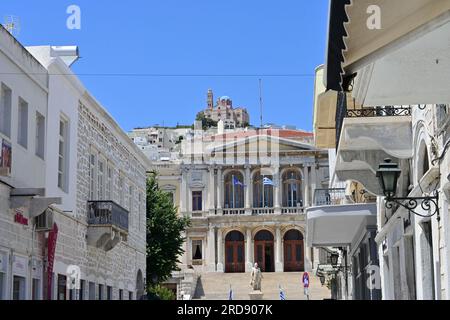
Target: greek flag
[[282, 296], [267, 182], [230, 295], [236, 182]]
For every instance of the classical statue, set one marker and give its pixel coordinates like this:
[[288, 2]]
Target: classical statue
[[256, 278]]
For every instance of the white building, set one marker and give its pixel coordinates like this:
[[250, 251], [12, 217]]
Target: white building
[[386, 96], [94, 178], [237, 219]]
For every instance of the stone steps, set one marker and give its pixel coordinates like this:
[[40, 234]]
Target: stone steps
[[216, 286]]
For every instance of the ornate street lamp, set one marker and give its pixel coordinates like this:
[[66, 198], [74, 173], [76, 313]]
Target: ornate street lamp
[[388, 174]]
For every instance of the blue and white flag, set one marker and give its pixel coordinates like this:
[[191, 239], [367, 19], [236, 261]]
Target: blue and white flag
[[267, 182], [230, 295], [282, 296], [236, 182]]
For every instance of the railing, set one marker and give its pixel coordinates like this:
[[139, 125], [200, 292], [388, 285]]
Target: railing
[[107, 213], [292, 210], [263, 211], [328, 197], [388, 111], [233, 212]]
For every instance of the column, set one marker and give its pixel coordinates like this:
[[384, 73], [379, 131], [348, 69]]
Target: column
[[248, 251], [276, 190], [248, 186], [306, 196], [183, 190], [219, 190], [211, 250], [211, 191], [185, 259], [278, 251], [308, 261], [313, 182], [219, 251]]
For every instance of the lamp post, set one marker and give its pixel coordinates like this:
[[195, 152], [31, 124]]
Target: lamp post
[[388, 174]]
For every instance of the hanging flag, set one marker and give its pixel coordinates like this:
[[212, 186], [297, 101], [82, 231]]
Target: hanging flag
[[282, 296], [267, 182], [236, 182], [230, 295]]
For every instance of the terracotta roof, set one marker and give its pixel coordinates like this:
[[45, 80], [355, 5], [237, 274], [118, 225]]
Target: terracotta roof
[[282, 133]]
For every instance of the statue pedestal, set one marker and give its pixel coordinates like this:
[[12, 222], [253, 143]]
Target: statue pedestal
[[256, 295]]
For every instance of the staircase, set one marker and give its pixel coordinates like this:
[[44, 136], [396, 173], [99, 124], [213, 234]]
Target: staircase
[[216, 286]]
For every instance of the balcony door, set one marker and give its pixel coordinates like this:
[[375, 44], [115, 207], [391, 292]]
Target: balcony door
[[234, 252], [294, 251], [264, 251]]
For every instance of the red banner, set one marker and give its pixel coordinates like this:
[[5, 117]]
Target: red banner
[[53, 235]]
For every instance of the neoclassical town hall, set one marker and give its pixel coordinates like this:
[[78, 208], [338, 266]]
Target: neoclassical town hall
[[246, 194]]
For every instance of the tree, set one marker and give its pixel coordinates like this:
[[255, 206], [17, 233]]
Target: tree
[[164, 234], [206, 122]]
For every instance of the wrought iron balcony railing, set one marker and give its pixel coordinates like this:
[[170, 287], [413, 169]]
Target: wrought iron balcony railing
[[388, 111], [104, 213], [329, 197]]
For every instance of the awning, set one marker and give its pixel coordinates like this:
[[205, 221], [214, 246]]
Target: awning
[[335, 226]]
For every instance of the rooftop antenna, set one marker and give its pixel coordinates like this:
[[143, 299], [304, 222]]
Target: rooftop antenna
[[12, 24], [261, 102]]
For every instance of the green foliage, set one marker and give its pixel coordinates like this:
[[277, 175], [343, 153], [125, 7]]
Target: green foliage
[[161, 293], [164, 234], [206, 122]]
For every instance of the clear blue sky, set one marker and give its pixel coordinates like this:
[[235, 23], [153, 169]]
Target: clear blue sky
[[212, 37]]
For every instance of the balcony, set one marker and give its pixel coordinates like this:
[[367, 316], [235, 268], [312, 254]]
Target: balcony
[[233, 212], [292, 210], [328, 197], [107, 224], [365, 139]]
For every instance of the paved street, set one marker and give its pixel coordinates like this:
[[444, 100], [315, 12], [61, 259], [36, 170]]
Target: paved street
[[215, 286]]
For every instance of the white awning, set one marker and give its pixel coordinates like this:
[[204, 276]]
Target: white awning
[[334, 226]]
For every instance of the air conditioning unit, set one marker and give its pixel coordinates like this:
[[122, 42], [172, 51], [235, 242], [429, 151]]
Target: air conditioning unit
[[44, 222]]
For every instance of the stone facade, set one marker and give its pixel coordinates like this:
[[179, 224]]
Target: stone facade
[[227, 234]]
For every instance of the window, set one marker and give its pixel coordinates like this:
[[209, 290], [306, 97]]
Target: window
[[109, 183], [234, 190], [130, 198], [92, 184], [108, 293], [130, 295], [91, 291], [62, 282], [18, 288], [40, 135], [171, 197], [197, 252], [292, 189], [5, 111], [62, 154], [22, 127], [120, 294], [101, 180], [100, 292], [121, 190], [196, 201], [82, 289], [36, 289], [262, 191]]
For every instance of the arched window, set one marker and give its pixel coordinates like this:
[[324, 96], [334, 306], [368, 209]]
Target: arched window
[[234, 190], [264, 235], [234, 236], [293, 235], [423, 164], [262, 191], [292, 192]]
